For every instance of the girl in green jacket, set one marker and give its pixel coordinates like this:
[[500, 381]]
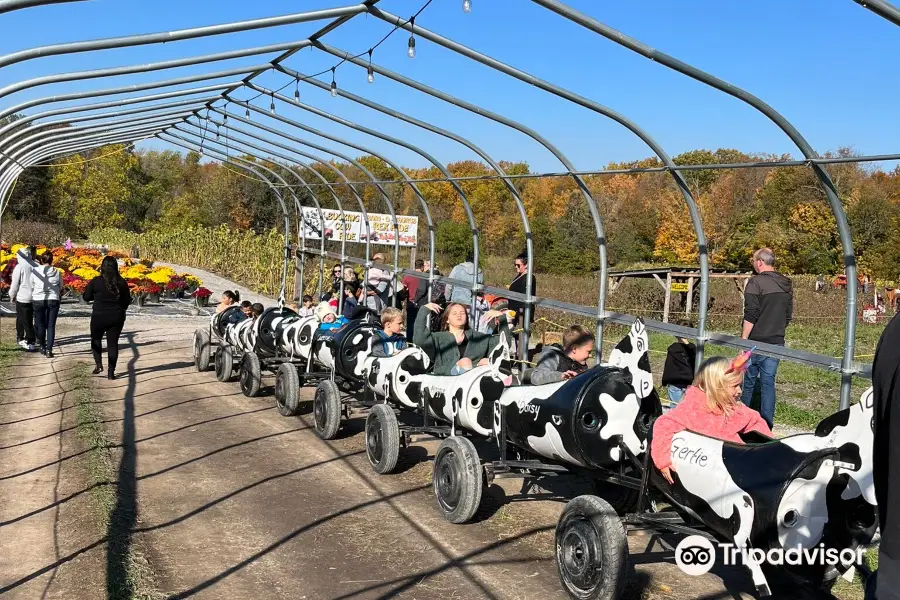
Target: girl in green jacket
[[456, 349]]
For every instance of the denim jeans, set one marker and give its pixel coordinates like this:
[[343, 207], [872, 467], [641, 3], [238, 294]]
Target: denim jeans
[[762, 371], [45, 313], [676, 394]]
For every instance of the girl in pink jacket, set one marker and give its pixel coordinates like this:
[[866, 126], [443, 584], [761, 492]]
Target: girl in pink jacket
[[711, 406]]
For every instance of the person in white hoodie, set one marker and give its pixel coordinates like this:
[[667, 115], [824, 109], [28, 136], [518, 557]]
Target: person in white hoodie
[[45, 286], [20, 293]]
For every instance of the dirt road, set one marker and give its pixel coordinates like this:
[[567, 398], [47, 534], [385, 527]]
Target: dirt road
[[49, 546], [230, 500], [236, 501]]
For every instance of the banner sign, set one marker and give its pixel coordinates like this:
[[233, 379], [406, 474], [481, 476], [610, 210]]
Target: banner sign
[[353, 229]]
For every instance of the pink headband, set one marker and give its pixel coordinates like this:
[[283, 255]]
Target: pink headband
[[739, 363]]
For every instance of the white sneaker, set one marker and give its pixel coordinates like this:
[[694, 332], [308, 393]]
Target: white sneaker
[[32, 348], [23, 344]]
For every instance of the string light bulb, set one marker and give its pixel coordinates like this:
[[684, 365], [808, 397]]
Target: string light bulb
[[272, 105], [411, 47], [467, 6], [371, 73], [297, 90], [225, 111], [247, 113], [333, 84]]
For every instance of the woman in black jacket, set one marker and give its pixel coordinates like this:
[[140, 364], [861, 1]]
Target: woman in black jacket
[[111, 298]]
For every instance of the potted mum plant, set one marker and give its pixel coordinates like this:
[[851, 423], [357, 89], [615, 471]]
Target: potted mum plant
[[138, 297], [201, 296], [76, 286], [176, 287], [152, 290]]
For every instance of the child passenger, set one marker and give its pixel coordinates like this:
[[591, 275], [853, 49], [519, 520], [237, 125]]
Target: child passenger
[[390, 339], [328, 318], [307, 309], [558, 363], [711, 406], [678, 373], [351, 289]]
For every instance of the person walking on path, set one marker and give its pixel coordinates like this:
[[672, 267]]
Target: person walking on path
[[109, 293], [20, 293], [45, 286], [464, 271], [768, 307]]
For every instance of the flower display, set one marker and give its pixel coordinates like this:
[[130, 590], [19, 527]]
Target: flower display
[[79, 266], [202, 292]]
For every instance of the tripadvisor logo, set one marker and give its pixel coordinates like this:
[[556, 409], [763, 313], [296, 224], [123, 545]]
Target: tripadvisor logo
[[696, 555]]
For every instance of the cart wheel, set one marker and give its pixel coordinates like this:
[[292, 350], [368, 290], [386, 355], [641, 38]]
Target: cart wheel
[[287, 390], [382, 439], [251, 374], [591, 550], [327, 409], [623, 499], [224, 362], [201, 349], [457, 479]]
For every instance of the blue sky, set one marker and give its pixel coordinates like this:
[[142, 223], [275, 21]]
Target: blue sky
[[829, 66]]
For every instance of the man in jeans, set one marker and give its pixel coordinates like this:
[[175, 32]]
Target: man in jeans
[[768, 305]]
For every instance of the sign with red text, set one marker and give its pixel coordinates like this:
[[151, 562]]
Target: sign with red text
[[352, 228]]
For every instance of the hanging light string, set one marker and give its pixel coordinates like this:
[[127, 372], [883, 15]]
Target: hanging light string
[[332, 69]]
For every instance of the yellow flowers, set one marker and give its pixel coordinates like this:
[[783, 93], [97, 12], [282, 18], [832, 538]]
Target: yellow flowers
[[86, 273], [160, 277]]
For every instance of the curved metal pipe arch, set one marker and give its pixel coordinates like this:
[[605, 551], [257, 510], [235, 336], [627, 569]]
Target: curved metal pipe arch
[[298, 204], [786, 126], [320, 177], [546, 86], [284, 210], [443, 169], [422, 202]]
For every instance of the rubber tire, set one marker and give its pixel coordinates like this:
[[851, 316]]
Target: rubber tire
[[382, 439], [251, 374], [224, 362], [287, 390], [458, 479], [201, 349], [623, 499], [591, 550], [327, 409]]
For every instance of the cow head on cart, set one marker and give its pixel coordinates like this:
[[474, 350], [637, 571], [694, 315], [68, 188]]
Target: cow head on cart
[[584, 420]]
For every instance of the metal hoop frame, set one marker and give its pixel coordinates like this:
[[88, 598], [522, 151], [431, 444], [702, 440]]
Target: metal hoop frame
[[181, 122]]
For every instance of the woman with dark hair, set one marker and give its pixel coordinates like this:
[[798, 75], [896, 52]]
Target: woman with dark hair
[[109, 293], [45, 286], [228, 298]]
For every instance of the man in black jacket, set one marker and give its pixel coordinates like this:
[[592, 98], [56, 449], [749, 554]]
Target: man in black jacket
[[768, 307]]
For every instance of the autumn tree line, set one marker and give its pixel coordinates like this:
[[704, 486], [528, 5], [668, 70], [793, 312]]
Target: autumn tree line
[[644, 215]]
